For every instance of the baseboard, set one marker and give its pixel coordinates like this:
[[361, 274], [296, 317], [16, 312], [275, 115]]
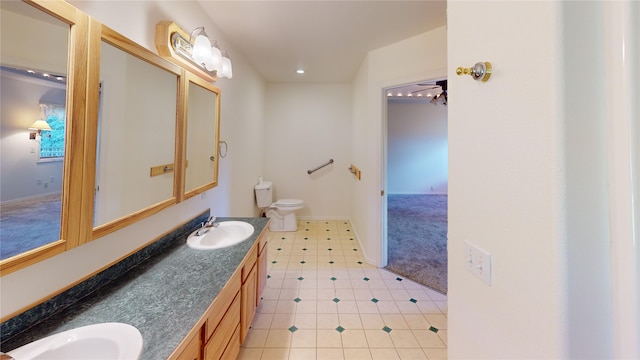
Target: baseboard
[[323, 218], [431, 193]]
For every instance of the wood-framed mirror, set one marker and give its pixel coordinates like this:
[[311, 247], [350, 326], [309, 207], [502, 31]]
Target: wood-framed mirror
[[202, 121], [43, 73], [132, 141]]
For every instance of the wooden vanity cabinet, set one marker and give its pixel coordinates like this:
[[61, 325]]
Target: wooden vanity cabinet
[[192, 351], [249, 291], [227, 321], [262, 267], [223, 320]]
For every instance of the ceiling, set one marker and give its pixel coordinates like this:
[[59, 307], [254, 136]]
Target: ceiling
[[328, 39]]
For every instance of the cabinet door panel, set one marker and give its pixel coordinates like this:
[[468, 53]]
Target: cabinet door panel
[[249, 288], [262, 273]]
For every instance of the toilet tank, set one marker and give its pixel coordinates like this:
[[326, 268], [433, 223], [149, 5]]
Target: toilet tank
[[264, 194]]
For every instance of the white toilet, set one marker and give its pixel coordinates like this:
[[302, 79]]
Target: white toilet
[[281, 212]]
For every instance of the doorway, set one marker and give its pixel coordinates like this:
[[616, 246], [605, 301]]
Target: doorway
[[416, 182]]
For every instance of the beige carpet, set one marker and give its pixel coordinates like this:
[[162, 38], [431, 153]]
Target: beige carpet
[[417, 238], [28, 224]]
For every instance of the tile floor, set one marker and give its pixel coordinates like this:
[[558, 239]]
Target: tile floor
[[323, 301]]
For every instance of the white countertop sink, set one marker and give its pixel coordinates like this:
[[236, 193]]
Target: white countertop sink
[[106, 341], [226, 233]]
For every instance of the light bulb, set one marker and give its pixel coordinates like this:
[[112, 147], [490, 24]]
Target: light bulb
[[201, 52], [226, 68], [216, 57]]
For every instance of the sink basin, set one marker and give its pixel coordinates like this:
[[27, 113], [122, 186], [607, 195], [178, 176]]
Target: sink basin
[[108, 341], [227, 233]]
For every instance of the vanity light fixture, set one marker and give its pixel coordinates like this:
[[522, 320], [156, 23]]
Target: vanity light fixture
[[193, 50], [300, 71], [39, 125], [227, 70]]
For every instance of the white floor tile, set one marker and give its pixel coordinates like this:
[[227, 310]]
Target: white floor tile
[[275, 354], [331, 304], [357, 354], [384, 354]]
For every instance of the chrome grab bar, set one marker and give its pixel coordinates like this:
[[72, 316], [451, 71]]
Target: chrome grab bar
[[320, 167]]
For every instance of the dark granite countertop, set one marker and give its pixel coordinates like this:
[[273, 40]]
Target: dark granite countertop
[[164, 297]]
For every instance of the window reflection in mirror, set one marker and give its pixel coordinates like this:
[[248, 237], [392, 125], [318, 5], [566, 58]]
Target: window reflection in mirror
[[202, 134], [32, 73], [136, 132]]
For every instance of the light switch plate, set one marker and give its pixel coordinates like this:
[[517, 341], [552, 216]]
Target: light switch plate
[[478, 262]]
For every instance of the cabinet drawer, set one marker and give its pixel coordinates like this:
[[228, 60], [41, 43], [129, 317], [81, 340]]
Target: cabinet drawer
[[262, 243], [192, 351], [222, 302], [223, 334], [233, 349], [249, 261]]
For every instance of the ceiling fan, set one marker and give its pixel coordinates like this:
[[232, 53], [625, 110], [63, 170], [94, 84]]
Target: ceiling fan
[[441, 89]]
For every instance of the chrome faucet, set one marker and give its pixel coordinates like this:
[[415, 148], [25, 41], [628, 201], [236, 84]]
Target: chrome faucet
[[205, 226], [203, 230], [211, 222]]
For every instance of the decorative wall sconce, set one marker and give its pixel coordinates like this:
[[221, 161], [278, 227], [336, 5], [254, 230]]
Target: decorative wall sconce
[[39, 125], [193, 50]]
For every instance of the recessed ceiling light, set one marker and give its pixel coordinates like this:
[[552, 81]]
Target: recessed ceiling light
[[300, 71]]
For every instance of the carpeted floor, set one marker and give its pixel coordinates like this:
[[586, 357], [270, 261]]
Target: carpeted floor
[[28, 224], [417, 238]]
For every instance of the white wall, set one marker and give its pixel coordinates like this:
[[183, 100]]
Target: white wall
[[528, 182], [588, 248], [242, 112], [419, 58], [417, 148], [19, 166], [306, 125]]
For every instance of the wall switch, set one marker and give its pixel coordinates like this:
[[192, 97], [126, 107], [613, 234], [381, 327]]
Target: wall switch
[[478, 262]]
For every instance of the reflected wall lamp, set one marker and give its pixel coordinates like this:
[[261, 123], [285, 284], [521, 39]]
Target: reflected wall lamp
[[193, 50], [39, 125]]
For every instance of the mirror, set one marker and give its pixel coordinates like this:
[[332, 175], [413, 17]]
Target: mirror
[[33, 78], [136, 134], [203, 119]]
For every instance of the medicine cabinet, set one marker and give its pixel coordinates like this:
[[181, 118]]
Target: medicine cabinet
[[37, 219], [141, 133], [203, 131]]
